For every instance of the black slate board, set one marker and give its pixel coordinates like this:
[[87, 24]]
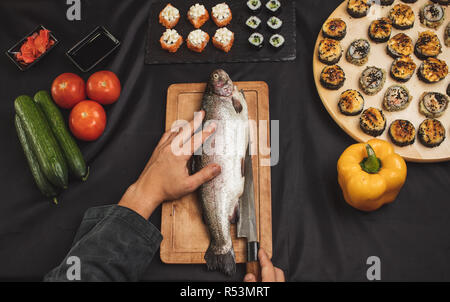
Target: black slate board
[[241, 51]]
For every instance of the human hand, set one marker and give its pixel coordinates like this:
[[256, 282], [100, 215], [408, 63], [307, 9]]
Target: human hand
[[166, 175], [269, 273]]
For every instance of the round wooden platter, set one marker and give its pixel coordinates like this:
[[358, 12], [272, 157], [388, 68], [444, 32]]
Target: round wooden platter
[[358, 28]]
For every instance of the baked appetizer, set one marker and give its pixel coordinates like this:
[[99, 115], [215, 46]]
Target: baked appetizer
[[274, 24], [169, 16], [256, 41], [197, 40], [276, 41], [332, 77], [334, 29], [358, 52], [254, 6], [402, 16], [428, 45], [396, 98], [432, 70], [358, 8], [402, 133], [273, 7], [253, 22], [431, 133], [171, 40], [372, 122], [432, 15], [386, 2], [351, 102], [380, 30], [433, 104], [221, 14], [330, 51], [447, 35], [198, 15], [372, 80], [403, 68], [223, 39], [400, 45]]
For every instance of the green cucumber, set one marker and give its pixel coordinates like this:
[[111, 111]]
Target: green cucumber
[[42, 141], [69, 147]]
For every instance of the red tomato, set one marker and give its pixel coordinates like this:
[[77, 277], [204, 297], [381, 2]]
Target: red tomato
[[87, 120], [68, 89], [103, 87]]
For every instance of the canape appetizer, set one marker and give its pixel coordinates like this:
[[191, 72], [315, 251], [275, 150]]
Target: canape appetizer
[[358, 52], [198, 15], [433, 104], [351, 102], [402, 133], [380, 30], [171, 40], [402, 16], [400, 45], [372, 80], [358, 8], [396, 98], [372, 122], [330, 51], [403, 68], [332, 77], [223, 39], [428, 45], [169, 16], [432, 15], [431, 133], [432, 70], [197, 40], [334, 29], [221, 14]]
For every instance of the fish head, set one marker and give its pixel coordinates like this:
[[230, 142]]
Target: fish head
[[220, 83]]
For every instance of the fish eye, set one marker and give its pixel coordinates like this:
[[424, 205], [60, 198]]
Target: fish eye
[[215, 76]]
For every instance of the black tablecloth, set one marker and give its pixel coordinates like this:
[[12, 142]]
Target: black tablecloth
[[316, 235]]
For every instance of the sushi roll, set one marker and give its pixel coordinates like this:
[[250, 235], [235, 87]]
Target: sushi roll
[[273, 7], [171, 40], [358, 52], [254, 6], [380, 30], [276, 41], [372, 122], [256, 40], [221, 14], [372, 80], [198, 15], [197, 40], [334, 29], [433, 104], [332, 77], [432, 70], [432, 15], [223, 39], [274, 24], [169, 16], [396, 98], [402, 133], [428, 45], [358, 8], [330, 51], [403, 69], [431, 133], [447, 35], [351, 102], [386, 2], [253, 22], [400, 45], [402, 16]]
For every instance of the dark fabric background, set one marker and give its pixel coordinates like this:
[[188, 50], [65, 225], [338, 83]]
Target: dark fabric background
[[316, 235]]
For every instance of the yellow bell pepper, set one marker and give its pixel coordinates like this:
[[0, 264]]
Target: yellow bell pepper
[[371, 174]]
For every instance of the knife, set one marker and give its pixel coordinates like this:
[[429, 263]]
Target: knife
[[246, 227]]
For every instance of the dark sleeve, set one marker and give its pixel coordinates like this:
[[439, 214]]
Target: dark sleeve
[[113, 243]]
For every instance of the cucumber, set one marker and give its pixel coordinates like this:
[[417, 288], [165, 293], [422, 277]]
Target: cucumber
[[46, 188], [69, 147], [42, 141]]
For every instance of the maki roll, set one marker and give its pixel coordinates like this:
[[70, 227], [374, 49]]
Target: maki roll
[[198, 15], [221, 14], [432, 15], [253, 22], [171, 40], [276, 41], [334, 29], [400, 45], [380, 30], [402, 133], [169, 16], [254, 6], [273, 7], [351, 102], [396, 98], [274, 24], [386, 2], [372, 122], [428, 45], [447, 35], [256, 40], [223, 39], [403, 69], [358, 8], [372, 80], [431, 133], [433, 104], [197, 40], [332, 77], [402, 16], [432, 70], [330, 51], [358, 52]]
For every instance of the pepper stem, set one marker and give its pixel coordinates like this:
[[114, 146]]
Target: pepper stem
[[371, 164]]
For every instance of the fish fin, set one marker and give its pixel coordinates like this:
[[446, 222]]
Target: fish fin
[[235, 217], [237, 104], [225, 263]]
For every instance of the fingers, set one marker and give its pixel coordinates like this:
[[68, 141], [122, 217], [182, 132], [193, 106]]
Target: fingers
[[267, 269], [199, 138], [249, 278], [188, 129], [279, 275], [202, 176]]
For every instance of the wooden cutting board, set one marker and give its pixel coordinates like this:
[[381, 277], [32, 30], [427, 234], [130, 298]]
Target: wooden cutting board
[[185, 236]]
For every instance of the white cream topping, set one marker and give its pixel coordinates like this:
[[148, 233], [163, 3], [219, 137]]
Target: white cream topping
[[223, 35], [196, 11], [197, 37], [170, 13], [221, 11], [170, 36]]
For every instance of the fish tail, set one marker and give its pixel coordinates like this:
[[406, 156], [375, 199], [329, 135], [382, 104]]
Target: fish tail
[[225, 263]]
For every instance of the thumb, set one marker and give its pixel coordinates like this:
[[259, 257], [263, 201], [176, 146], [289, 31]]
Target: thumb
[[249, 278], [204, 175]]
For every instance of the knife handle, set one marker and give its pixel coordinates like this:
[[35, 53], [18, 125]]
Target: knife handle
[[253, 266], [255, 269]]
